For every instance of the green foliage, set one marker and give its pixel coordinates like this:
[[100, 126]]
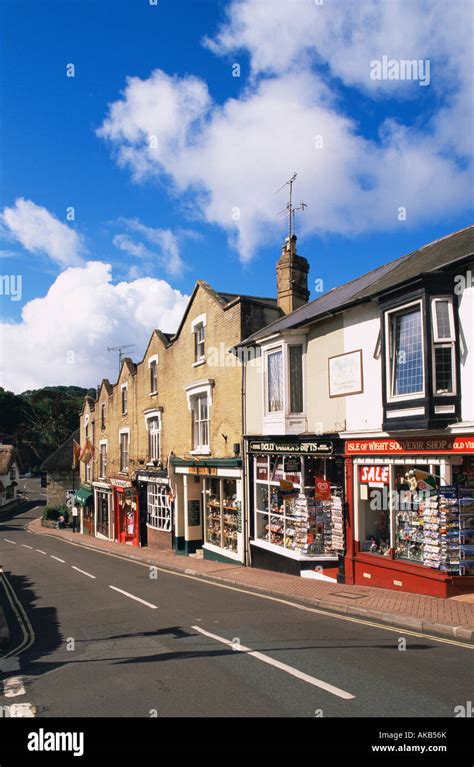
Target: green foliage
[[40, 420], [52, 513]]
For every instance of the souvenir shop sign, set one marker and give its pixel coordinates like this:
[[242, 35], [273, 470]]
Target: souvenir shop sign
[[424, 445], [290, 447]]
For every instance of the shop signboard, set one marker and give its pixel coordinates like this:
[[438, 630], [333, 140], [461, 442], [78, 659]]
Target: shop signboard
[[431, 445], [292, 447]]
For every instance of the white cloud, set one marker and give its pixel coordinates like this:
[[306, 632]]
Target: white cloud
[[63, 336], [165, 242], [38, 231], [233, 156]]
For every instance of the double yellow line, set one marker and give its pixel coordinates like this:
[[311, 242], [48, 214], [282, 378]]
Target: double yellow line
[[22, 618]]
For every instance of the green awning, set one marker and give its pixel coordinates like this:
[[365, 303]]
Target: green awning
[[82, 495]]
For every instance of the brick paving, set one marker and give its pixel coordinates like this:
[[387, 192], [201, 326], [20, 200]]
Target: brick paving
[[446, 617]]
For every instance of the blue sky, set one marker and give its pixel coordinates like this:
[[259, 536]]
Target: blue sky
[[387, 144]]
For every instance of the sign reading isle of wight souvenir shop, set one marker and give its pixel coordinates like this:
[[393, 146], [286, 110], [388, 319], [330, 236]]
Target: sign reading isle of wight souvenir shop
[[433, 445]]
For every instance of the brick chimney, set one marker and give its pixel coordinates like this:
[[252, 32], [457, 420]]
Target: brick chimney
[[292, 277]]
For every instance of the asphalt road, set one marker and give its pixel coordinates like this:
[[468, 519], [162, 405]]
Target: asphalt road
[[108, 638]]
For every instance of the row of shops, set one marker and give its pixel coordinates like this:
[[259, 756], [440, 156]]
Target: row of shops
[[393, 513]]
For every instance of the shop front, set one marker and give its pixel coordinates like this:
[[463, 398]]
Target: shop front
[[126, 511], [296, 505], [411, 514], [156, 509], [103, 510], [84, 498], [208, 503]]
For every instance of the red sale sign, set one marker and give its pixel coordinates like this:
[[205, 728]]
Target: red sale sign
[[322, 489], [379, 475]]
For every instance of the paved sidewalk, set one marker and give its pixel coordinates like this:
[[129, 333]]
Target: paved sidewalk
[[452, 618]]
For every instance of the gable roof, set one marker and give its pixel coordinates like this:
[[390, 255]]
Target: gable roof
[[8, 456], [61, 459], [429, 258]]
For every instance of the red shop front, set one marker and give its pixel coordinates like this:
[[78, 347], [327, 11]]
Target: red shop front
[[410, 525], [126, 511]]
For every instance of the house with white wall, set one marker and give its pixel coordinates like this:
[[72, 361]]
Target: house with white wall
[[369, 389], [9, 474]]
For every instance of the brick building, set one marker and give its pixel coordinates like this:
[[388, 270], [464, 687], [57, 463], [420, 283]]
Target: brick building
[[166, 465]]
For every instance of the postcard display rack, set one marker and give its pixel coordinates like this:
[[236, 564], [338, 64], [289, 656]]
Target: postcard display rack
[[448, 531], [307, 526]]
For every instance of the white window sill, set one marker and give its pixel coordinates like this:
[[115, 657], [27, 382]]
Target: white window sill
[[201, 451], [153, 393], [199, 362], [293, 554]]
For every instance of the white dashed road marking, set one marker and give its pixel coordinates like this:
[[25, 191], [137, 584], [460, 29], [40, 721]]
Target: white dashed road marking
[[25, 710], [282, 666], [82, 571], [26, 547], [40, 551], [13, 687], [137, 599], [57, 558], [9, 541]]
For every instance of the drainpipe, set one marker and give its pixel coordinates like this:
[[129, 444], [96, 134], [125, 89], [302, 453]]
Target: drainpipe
[[247, 557]]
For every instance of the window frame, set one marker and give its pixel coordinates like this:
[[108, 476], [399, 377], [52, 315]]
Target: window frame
[[124, 400], [103, 410], [149, 417], [268, 352], [198, 422], [290, 411], [434, 325], [123, 433], [163, 520], [389, 315], [153, 377], [102, 462], [199, 325]]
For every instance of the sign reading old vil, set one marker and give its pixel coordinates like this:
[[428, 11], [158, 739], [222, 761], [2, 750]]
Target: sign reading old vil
[[292, 446]]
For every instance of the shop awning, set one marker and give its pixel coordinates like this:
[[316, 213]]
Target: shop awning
[[82, 495]]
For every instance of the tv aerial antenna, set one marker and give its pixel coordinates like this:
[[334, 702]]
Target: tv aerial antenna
[[120, 349], [290, 210]]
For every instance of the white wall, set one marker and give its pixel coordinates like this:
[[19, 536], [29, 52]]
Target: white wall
[[364, 412], [466, 321]]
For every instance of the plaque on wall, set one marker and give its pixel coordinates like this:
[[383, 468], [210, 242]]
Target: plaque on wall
[[194, 513]]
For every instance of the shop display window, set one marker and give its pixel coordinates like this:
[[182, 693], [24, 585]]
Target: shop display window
[[375, 520], [222, 511], [409, 502], [433, 523], [287, 513]]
